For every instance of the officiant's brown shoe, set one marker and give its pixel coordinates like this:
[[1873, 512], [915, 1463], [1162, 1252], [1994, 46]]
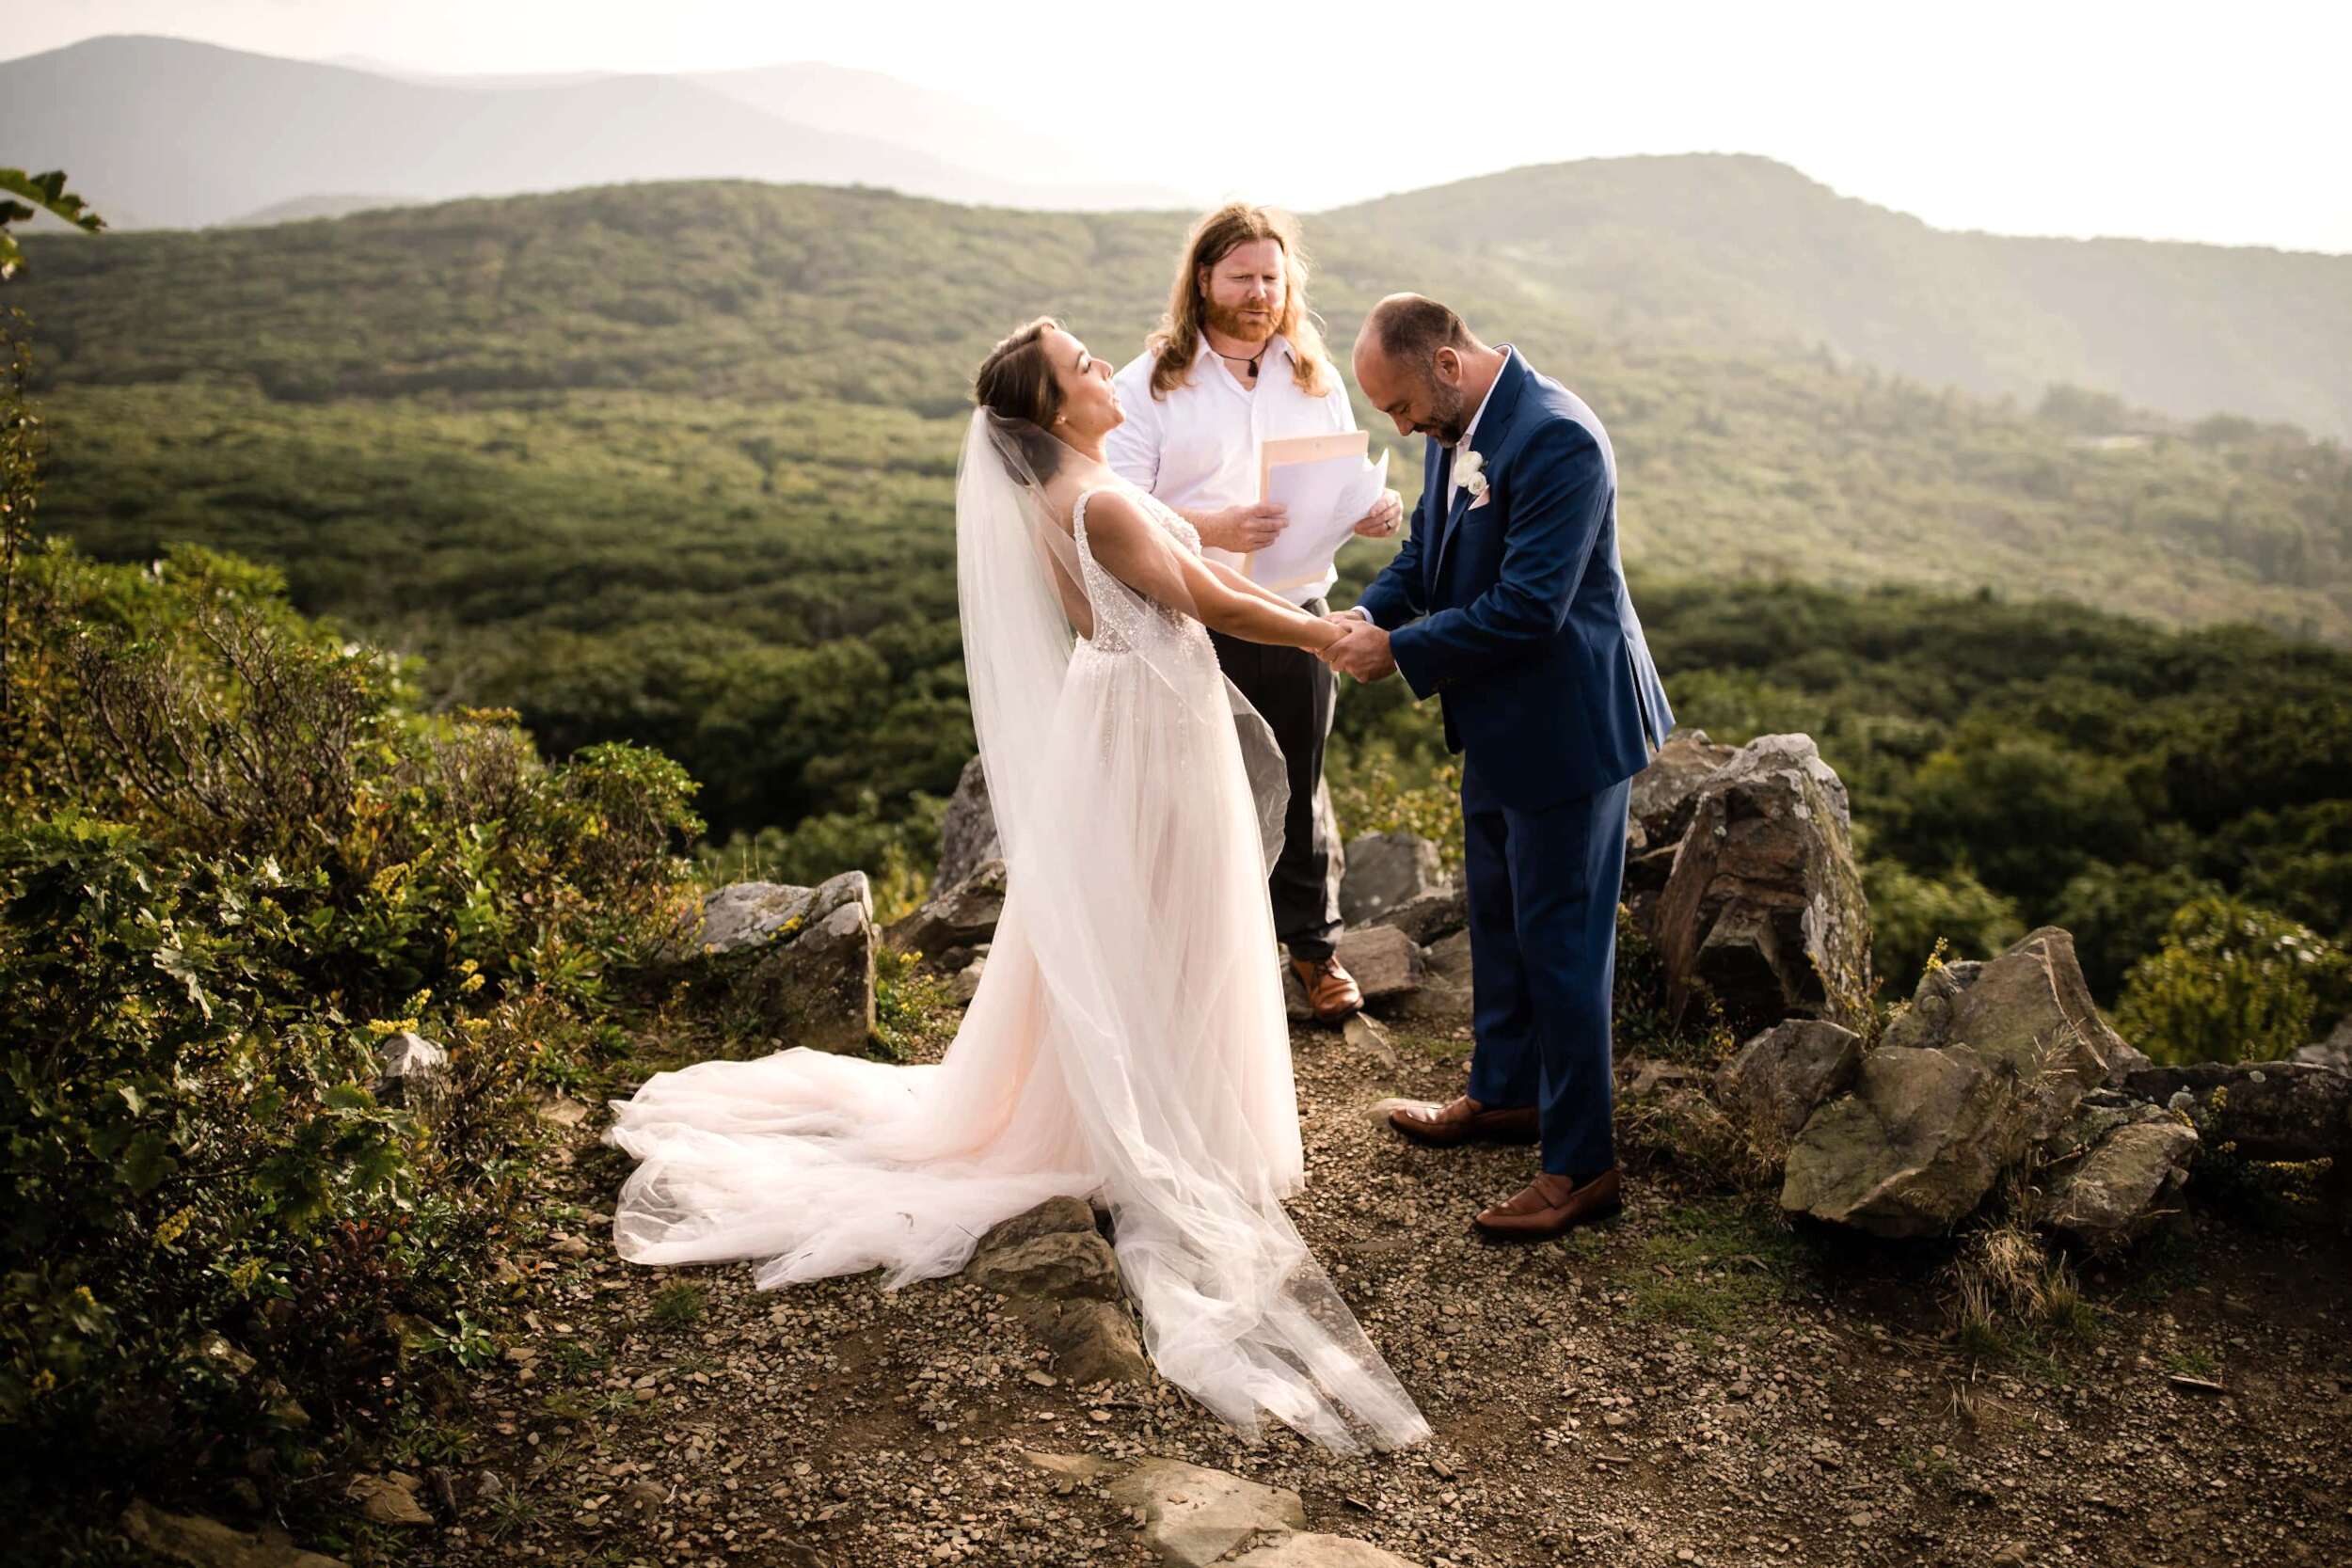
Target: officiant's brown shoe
[[1551, 1205], [1331, 990], [1464, 1121]]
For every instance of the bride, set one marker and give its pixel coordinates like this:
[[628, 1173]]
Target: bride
[[1128, 1040]]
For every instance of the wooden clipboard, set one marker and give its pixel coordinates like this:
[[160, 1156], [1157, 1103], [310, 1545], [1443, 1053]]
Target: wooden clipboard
[[1302, 448]]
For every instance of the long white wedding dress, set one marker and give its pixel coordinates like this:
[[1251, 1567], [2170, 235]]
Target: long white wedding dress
[[1128, 1040]]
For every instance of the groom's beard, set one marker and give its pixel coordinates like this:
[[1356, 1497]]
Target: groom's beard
[[1234, 322], [1449, 415]]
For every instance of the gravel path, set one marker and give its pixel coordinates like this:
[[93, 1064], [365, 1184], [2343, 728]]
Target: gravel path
[[1692, 1384]]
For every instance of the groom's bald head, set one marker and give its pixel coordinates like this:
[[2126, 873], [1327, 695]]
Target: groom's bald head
[[1419, 364], [1410, 328]]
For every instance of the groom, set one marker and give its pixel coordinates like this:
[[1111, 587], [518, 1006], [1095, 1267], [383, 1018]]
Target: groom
[[1509, 598]]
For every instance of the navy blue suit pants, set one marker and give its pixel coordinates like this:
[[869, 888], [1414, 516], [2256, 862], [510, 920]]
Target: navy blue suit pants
[[1543, 889]]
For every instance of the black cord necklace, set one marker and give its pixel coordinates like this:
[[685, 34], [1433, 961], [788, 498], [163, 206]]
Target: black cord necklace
[[1238, 359]]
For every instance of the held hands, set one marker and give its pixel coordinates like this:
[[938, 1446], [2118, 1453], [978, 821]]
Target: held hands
[[1361, 650], [1382, 520], [1243, 529]]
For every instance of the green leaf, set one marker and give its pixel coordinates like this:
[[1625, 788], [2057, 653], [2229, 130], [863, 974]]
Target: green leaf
[[48, 192], [147, 1162]]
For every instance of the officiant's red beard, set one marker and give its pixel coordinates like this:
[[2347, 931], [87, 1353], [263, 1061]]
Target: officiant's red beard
[[1238, 320]]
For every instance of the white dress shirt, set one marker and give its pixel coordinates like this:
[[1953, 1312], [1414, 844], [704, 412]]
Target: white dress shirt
[[1459, 447], [1196, 448]]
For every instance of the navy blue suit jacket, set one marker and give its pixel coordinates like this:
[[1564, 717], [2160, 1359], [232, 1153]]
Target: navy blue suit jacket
[[1515, 613]]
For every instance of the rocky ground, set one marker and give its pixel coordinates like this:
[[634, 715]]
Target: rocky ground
[[1695, 1383]]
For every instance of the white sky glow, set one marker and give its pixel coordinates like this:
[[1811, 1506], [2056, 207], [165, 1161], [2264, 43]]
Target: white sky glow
[[2161, 121]]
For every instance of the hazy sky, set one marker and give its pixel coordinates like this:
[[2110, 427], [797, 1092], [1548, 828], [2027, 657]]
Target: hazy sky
[[2214, 122]]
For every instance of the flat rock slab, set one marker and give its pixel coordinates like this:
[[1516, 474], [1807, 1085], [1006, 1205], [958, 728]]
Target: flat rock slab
[[1192, 1516], [200, 1543], [1305, 1550], [2120, 1188]]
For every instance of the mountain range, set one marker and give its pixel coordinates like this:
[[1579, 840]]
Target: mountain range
[[1697, 251], [185, 134]]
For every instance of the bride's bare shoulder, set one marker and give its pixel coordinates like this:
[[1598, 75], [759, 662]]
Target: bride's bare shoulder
[[1108, 504]]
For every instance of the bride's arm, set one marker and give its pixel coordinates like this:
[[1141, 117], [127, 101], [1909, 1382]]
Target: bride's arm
[[1240, 583], [1132, 549]]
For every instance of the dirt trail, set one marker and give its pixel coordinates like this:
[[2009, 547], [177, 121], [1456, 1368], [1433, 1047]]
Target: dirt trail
[[1692, 1384]]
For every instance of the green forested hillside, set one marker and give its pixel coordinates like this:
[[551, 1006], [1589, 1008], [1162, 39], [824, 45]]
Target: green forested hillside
[[673, 464], [1742, 249]]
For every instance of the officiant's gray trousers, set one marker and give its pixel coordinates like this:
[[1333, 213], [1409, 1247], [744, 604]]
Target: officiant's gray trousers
[[1293, 691]]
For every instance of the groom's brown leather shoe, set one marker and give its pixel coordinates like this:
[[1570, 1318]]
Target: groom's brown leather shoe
[[1551, 1205], [1464, 1121], [1331, 992]]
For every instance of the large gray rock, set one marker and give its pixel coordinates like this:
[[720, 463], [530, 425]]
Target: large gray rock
[[2130, 1164], [963, 917], [1385, 870], [199, 1543], [2030, 1014], [1665, 792], [967, 835], [1061, 1264], [810, 979], [1386, 962], [2267, 1109], [1092, 1340], [412, 1072], [1063, 1282], [1192, 1516], [1912, 1149], [1443, 997], [744, 916], [1765, 905], [1778, 1079], [1432, 917]]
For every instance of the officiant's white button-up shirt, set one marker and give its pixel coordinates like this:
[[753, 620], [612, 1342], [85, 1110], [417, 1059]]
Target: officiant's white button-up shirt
[[1196, 448]]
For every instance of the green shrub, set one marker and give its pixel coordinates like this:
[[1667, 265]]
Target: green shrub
[[235, 857], [2231, 983], [1911, 912]]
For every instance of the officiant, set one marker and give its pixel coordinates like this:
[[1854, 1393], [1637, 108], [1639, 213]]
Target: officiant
[[1236, 362]]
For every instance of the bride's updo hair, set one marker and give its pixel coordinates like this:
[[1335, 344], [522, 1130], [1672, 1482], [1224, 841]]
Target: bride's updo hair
[[1016, 383]]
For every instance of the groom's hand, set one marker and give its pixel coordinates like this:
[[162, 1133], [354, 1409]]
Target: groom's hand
[[1363, 653]]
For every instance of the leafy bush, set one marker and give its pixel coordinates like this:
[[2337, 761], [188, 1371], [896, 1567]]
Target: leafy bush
[[236, 856], [1910, 914], [2231, 983]]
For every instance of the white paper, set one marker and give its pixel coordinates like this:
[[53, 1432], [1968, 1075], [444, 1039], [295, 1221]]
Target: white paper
[[1326, 500]]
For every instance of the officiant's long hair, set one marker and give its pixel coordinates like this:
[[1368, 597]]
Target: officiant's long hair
[[1176, 343]]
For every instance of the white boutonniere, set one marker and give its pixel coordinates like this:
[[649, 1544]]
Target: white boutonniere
[[1469, 473]]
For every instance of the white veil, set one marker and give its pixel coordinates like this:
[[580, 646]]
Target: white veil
[[1127, 779], [1019, 587]]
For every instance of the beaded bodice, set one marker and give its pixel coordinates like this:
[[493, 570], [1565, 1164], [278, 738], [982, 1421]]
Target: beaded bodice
[[1122, 616]]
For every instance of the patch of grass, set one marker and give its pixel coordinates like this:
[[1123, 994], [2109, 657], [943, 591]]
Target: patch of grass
[[913, 1006], [1718, 1266], [2011, 1300], [2195, 1360], [678, 1305], [574, 1360], [1925, 1465], [510, 1513]]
